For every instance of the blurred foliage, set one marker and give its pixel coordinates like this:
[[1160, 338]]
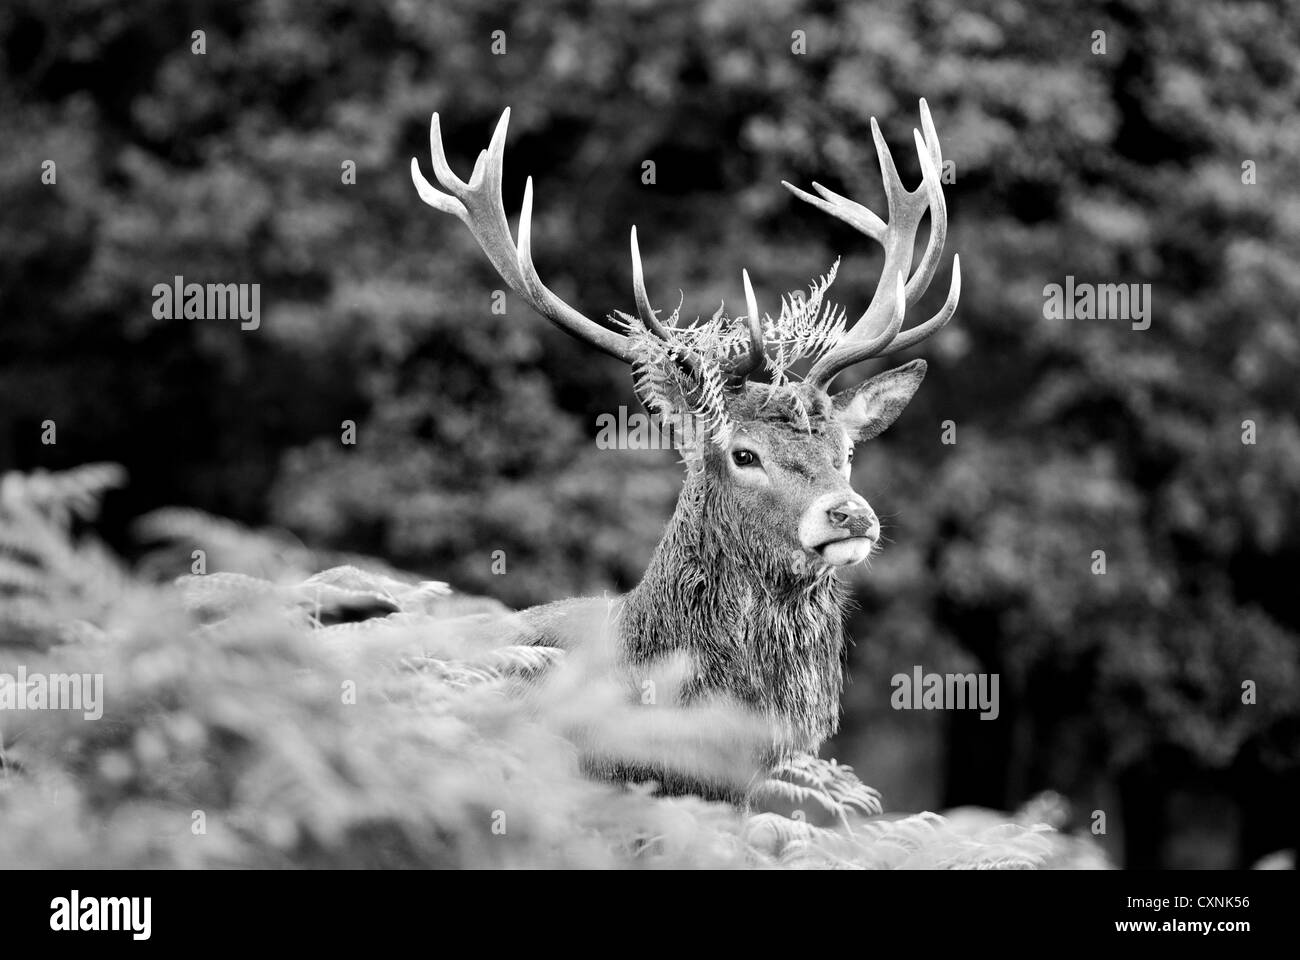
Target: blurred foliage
[[475, 429], [244, 724]]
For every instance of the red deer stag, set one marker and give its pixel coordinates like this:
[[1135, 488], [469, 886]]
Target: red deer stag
[[743, 582]]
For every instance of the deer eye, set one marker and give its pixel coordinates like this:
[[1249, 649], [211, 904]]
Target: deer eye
[[850, 458], [744, 458]]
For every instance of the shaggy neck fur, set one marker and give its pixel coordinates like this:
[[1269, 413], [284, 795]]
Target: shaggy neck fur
[[759, 625]]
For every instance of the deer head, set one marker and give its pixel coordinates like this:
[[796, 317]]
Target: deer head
[[776, 473]]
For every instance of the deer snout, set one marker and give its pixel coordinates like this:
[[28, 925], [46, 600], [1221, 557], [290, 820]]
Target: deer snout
[[856, 517], [840, 527]]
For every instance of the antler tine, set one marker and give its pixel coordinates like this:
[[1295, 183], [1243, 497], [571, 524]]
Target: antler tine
[[921, 331], [753, 358], [920, 281], [643, 308], [850, 351], [841, 208], [647, 313], [479, 206], [439, 201], [894, 188], [878, 329], [441, 169], [931, 135]]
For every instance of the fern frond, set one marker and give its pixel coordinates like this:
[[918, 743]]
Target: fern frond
[[832, 786], [807, 326], [669, 391], [239, 712], [64, 494]]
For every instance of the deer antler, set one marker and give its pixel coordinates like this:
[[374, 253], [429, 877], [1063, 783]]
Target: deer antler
[[878, 330], [479, 206]]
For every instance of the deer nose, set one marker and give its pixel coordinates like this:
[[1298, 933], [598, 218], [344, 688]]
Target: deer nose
[[855, 517]]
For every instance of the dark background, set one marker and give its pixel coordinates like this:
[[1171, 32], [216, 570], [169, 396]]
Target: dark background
[[476, 431]]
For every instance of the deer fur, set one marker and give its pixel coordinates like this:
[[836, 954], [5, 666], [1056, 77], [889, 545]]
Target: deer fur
[[730, 587]]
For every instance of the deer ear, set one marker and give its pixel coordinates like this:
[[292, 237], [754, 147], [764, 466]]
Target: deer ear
[[869, 408]]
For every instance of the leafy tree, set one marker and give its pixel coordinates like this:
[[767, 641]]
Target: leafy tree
[[1156, 152]]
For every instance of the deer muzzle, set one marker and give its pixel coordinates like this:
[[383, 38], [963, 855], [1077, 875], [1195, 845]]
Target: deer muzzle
[[841, 528]]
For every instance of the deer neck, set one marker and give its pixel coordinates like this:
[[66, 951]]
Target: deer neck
[[757, 625]]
